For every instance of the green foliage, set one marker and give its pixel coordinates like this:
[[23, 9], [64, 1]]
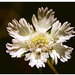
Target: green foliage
[[40, 69], [25, 53], [49, 31], [50, 58]]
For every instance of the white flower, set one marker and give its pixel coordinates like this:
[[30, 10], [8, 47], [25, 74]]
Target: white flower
[[40, 43]]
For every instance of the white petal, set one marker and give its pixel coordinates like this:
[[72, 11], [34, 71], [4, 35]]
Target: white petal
[[35, 22], [54, 29], [54, 56], [17, 48], [20, 29], [31, 57], [12, 46], [40, 64], [22, 43], [28, 56], [45, 19], [56, 61], [62, 51], [32, 63], [52, 61], [17, 53], [44, 57], [62, 33]]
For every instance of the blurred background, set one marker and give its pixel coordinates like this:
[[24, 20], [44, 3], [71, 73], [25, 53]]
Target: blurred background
[[10, 10]]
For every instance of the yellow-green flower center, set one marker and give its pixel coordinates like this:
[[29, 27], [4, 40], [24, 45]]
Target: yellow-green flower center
[[39, 41]]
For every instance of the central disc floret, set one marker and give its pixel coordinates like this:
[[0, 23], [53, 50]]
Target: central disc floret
[[39, 41]]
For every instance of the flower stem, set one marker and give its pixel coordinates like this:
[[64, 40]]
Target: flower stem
[[52, 67]]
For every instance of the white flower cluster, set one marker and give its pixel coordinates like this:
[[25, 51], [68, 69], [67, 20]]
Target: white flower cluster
[[39, 42]]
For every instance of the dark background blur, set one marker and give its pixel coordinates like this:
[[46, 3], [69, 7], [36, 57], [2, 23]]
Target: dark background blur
[[8, 11]]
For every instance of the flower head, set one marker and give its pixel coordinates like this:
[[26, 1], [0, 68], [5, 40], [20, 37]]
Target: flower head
[[39, 42]]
